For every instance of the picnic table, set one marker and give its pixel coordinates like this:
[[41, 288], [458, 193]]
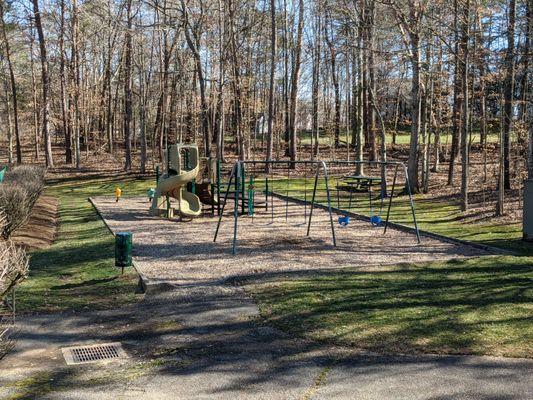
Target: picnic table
[[358, 183]]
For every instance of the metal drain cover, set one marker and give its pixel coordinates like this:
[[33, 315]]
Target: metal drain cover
[[92, 353]]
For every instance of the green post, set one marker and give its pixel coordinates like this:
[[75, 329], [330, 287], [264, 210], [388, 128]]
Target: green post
[[157, 174], [266, 193], [251, 196], [123, 249], [219, 174], [243, 185]]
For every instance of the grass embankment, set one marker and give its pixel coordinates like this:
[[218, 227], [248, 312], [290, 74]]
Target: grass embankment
[[77, 271], [478, 306]]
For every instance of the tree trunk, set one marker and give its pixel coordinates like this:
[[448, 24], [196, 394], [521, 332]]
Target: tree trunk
[[63, 89], [45, 84], [128, 114], [294, 83], [457, 98], [509, 93], [13, 83], [465, 142], [270, 134]]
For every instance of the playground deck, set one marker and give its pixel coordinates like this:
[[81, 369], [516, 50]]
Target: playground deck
[[184, 253]]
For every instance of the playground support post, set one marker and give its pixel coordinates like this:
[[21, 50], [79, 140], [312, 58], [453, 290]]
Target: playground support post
[[326, 179], [236, 174], [407, 185], [224, 204], [236, 208], [219, 173]]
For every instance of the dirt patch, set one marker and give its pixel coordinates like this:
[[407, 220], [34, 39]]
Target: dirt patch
[[41, 229]]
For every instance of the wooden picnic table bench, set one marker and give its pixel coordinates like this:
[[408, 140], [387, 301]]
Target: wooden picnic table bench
[[358, 182]]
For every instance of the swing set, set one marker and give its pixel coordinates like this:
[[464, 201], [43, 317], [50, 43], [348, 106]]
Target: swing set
[[375, 217], [244, 191], [236, 189]]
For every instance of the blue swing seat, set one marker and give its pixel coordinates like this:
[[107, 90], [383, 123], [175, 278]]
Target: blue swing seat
[[344, 220], [375, 220]]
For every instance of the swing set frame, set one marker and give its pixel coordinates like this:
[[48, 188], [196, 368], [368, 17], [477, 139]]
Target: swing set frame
[[237, 179], [397, 166], [237, 175]]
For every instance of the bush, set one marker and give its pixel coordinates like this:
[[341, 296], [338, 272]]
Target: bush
[[28, 177], [16, 205], [13, 269]]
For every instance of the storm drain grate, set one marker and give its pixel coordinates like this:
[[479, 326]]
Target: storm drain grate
[[92, 353]]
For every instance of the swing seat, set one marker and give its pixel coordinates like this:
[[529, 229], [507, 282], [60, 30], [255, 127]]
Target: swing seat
[[375, 220], [344, 220]]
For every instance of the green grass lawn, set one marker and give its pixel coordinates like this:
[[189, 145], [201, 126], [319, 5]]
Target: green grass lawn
[[442, 216], [478, 306], [77, 271]]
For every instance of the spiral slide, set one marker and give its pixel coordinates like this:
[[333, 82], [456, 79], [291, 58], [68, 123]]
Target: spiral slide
[[174, 183]]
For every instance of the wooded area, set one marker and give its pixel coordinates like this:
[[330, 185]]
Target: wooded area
[[326, 79]]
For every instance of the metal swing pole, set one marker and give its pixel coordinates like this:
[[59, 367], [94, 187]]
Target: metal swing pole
[[408, 184], [243, 188], [305, 194], [287, 196], [312, 202], [329, 203], [236, 208], [272, 195], [224, 204], [391, 196]]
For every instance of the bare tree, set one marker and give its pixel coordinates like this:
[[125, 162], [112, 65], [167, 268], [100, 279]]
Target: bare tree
[[7, 53], [270, 134], [45, 85]]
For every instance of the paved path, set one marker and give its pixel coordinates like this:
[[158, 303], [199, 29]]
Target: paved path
[[207, 341]]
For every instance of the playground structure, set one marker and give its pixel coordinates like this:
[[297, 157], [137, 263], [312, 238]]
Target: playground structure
[[244, 193], [253, 185], [189, 179], [182, 168]]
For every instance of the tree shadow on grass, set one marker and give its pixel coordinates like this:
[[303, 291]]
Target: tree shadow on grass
[[208, 341]]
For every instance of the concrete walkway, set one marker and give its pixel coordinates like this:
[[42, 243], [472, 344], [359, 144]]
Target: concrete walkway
[[207, 341]]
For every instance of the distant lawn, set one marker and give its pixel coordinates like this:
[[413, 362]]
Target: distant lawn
[[77, 271], [478, 306]]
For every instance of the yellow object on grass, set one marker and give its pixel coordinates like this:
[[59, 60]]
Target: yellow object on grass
[[118, 193]]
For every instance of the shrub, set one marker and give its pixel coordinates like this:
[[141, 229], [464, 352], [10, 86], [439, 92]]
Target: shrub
[[13, 269], [28, 177], [16, 206]]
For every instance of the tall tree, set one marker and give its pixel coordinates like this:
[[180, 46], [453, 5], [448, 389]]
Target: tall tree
[[465, 138], [45, 84], [509, 92], [295, 75], [270, 133], [410, 25], [13, 83], [128, 112]]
